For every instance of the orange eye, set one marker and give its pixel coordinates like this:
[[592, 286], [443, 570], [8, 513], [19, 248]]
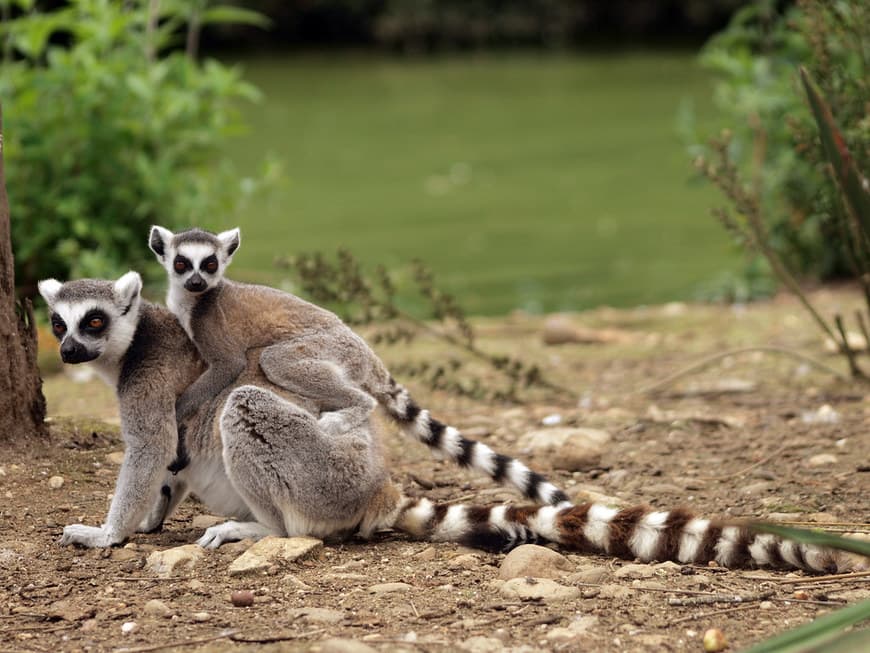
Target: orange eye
[[211, 267], [180, 266], [96, 323], [58, 328]]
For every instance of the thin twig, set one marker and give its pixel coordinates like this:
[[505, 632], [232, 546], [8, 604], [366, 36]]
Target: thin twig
[[746, 470], [276, 638], [177, 643], [847, 349], [704, 362], [859, 316], [722, 598], [714, 613], [825, 579]]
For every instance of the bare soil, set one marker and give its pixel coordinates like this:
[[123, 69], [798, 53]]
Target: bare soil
[[705, 441]]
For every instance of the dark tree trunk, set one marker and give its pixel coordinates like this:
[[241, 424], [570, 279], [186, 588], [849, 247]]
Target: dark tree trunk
[[22, 406]]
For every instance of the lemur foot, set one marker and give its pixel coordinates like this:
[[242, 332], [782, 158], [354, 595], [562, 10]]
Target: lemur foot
[[232, 531], [94, 537]]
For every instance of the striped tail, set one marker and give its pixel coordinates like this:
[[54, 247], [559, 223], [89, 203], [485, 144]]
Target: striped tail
[[418, 423], [638, 532]]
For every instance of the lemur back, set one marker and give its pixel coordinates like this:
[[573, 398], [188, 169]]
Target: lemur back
[[308, 350], [259, 455]]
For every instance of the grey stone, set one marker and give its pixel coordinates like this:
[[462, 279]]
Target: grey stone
[[535, 561], [542, 589], [572, 449], [270, 550], [167, 562], [389, 588], [634, 571], [317, 615], [339, 645]]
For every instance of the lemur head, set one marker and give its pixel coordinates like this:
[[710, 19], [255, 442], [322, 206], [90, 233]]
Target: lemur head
[[93, 318], [194, 259]]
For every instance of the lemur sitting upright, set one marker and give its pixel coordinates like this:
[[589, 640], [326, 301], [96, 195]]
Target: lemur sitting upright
[[257, 453], [308, 350]]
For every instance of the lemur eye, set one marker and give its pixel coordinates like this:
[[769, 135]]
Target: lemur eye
[[96, 323], [180, 266], [211, 267], [59, 328]]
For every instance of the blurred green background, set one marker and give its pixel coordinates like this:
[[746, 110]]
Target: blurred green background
[[534, 181], [535, 154]]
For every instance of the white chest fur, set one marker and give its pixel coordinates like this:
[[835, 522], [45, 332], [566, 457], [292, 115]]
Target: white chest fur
[[181, 303]]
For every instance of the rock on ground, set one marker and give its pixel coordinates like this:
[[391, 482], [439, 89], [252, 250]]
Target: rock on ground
[[266, 552], [572, 449], [338, 645], [166, 562], [540, 589], [536, 561]]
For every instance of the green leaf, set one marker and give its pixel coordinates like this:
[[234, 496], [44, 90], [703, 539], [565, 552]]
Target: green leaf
[[234, 15], [822, 635], [855, 187], [818, 538]]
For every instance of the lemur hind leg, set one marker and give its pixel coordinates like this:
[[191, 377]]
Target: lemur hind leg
[[343, 406], [295, 479]]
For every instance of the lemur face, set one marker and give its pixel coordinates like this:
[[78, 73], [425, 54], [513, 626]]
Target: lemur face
[[93, 318], [194, 259]]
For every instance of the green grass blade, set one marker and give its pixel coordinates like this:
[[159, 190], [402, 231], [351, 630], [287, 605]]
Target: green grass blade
[[855, 187], [822, 631], [818, 538]]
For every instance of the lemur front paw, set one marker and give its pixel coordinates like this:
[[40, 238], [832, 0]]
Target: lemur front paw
[[94, 537]]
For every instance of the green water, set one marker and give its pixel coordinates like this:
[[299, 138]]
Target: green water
[[526, 181]]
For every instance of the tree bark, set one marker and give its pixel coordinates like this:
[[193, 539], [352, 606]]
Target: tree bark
[[22, 405]]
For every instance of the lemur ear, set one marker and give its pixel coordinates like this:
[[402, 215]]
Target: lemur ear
[[159, 241], [230, 240], [49, 288], [127, 290]]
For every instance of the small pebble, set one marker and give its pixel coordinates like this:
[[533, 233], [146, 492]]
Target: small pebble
[[552, 420], [714, 640], [157, 608], [242, 598], [802, 595], [201, 616], [55, 482], [128, 627], [766, 605]]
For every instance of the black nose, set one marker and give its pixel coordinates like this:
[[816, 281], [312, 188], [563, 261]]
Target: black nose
[[195, 284], [72, 351]]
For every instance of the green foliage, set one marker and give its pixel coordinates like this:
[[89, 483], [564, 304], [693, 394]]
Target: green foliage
[[108, 131], [828, 634], [362, 299], [772, 139]]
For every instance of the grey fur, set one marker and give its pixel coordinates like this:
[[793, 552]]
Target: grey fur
[[308, 350], [257, 452]]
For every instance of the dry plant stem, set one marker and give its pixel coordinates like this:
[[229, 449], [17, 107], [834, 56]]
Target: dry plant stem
[[713, 613], [772, 349], [825, 579], [474, 351], [847, 350], [722, 598], [862, 324], [150, 27], [177, 644], [746, 470]]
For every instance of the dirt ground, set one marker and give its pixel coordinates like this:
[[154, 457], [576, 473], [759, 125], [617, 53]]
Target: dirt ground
[[757, 434]]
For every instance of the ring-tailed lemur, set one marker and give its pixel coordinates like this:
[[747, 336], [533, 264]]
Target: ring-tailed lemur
[[261, 457], [308, 350]]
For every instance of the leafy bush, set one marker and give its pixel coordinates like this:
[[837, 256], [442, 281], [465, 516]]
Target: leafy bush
[[772, 139], [108, 131]]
